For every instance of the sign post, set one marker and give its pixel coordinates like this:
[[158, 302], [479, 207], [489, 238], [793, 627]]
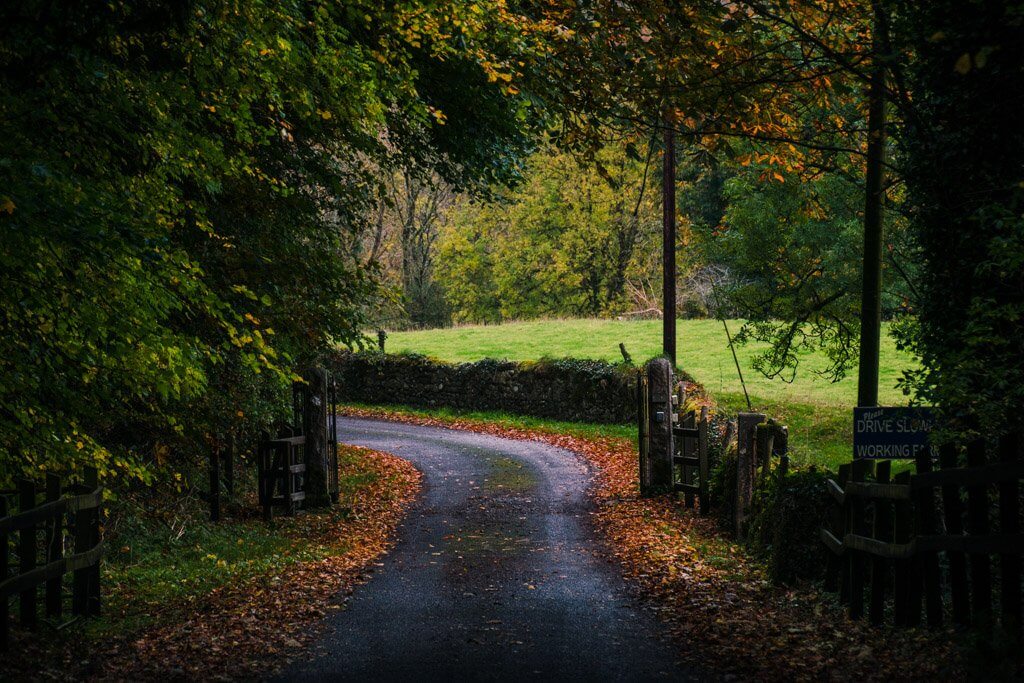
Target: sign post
[[891, 433]]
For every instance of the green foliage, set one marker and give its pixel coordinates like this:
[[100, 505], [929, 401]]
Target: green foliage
[[963, 149], [182, 190], [562, 242], [467, 259], [790, 252]]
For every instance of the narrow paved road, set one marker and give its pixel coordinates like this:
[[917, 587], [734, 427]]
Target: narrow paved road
[[493, 577]]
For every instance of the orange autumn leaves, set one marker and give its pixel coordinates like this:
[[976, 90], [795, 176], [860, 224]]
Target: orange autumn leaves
[[251, 629], [711, 595]]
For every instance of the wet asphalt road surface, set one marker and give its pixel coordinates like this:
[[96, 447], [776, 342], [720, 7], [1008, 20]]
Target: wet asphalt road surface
[[493, 577]]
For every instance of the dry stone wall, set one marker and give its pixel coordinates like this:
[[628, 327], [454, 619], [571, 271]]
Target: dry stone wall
[[570, 390]]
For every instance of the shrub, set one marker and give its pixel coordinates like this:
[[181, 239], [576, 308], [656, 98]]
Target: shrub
[[783, 525]]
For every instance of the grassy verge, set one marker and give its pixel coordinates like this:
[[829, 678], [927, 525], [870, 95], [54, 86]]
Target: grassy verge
[[160, 563], [818, 434]]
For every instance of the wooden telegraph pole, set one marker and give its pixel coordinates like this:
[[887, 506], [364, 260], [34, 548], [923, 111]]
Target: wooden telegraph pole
[[871, 291], [668, 249]]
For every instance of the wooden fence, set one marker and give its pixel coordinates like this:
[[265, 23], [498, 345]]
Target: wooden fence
[[896, 540], [281, 462], [69, 517]]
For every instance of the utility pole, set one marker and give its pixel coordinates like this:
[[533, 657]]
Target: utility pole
[[871, 290], [668, 246]]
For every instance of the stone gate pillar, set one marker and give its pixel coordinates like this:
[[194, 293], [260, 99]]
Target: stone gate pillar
[[659, 427]]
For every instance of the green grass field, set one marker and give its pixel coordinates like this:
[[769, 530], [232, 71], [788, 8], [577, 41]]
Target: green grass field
[[818, 411]]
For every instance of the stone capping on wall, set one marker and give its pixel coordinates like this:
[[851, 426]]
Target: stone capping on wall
[[565, 389]]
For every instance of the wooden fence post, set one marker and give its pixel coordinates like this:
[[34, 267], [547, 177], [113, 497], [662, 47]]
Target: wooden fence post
[[314, 427], [5, 610], [762, 453], [92, 481], [882, 532], [80, 581], [687, 448], [333, 486], [745, 425], [836, 569], [856, 525], [289, 452], [952, 507], [926, 526], [704, 470], [1009, 524], [903, 579], [977, 525], [54, 547], [27, 553]]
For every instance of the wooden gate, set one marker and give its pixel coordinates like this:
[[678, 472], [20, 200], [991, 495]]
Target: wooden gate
[[691, 468], [332, 442], [283, 464]]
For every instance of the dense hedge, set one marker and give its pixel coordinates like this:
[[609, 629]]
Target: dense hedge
[[783, 525], [571, 390]]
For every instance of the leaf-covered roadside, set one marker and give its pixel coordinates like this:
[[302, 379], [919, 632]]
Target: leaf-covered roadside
[[253, 623], [713, 598]]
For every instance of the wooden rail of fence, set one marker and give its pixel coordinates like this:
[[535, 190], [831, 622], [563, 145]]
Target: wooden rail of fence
[[887, 531], [75, 516]]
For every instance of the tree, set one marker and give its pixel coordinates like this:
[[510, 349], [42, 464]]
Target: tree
[[183, 192], [565, 241], [404, 243], [963, 149]]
